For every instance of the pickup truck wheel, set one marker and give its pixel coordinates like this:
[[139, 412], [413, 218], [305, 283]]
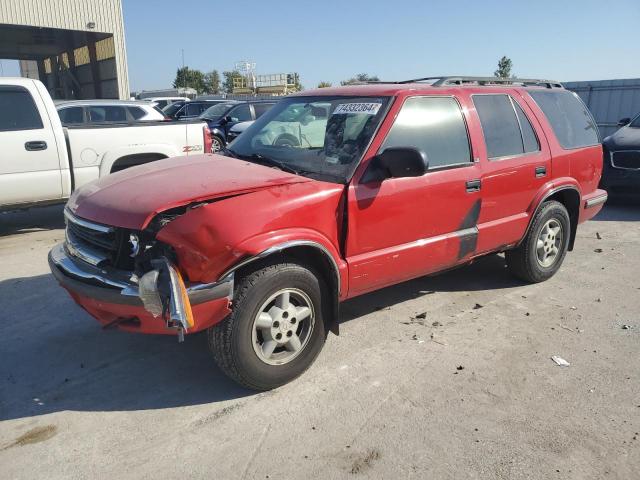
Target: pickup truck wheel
[[217, 144], [541, 253], [276, 329]]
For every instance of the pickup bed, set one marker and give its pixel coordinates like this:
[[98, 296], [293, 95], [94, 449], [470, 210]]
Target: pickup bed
[[41, 162]]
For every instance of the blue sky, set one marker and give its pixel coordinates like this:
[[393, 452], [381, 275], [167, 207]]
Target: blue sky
[[333, 40]]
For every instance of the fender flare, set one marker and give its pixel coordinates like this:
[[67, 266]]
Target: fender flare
[[547, 191], [218, 133], [279, 247]]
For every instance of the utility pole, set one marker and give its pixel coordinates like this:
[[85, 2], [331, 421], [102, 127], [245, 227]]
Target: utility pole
[[183, 58]]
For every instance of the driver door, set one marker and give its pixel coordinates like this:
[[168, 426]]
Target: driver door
[[402, 228], [240, 113]]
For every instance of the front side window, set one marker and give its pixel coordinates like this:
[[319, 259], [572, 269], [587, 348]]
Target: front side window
[[501, 126], [322, 137], [570, 119], [17, 110], [216, 111], [71, 115], [192, 110], [242, 113], [635, 123], [435, 126]]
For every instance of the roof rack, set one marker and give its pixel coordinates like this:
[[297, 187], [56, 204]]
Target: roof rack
[[483, 81]]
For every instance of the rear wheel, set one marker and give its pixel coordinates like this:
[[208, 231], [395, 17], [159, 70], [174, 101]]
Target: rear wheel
[[276, 329], [543, 250]]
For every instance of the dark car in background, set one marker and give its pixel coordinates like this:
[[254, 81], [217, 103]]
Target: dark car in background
[[621, 165], [189, 110], [223, 116]]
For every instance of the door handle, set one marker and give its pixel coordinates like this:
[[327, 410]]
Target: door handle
[[541, 172], [473, 185], [35, 146]]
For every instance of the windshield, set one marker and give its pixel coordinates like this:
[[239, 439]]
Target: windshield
[[635, 123], [322, 137], [216, 111]]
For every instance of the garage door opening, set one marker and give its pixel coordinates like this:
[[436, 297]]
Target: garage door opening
[[72, 64]]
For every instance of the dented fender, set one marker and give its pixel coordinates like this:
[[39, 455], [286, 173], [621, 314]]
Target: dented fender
[[215, 237]]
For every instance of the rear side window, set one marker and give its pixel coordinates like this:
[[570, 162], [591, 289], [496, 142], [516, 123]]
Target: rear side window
[[434, 125], [260, 108], [17, 110], [529, 139], [137, 113], [71, 116], [570, 119], [506, 129], [107, 114]]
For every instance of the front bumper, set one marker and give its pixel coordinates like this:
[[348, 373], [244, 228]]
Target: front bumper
[[111, 296]]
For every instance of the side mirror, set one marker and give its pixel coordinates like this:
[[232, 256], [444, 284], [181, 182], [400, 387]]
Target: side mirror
[[228, 119], [624, 121], [396, 162]]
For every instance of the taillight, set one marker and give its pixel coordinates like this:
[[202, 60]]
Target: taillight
[[206, 139]]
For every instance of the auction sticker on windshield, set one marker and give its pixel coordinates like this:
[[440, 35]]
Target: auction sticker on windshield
[[365, 108]]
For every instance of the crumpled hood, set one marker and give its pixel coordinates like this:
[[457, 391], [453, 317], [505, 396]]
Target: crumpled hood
[[132, 197]]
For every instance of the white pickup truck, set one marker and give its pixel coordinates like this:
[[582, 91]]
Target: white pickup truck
[[41, 162]]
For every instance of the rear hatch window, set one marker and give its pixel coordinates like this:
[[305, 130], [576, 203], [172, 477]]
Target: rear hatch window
[[570, 119]]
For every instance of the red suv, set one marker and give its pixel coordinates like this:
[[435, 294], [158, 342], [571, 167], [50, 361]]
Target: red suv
[[331, 194]]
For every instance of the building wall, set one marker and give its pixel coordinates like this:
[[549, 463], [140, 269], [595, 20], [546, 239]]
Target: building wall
[[609, 100], [75, 15]]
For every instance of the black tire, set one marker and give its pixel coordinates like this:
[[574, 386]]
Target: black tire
[[231, 341], [216, 140], [523, 261]]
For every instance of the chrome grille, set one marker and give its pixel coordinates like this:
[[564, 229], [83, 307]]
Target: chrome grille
[[627, 159], [96, 244]]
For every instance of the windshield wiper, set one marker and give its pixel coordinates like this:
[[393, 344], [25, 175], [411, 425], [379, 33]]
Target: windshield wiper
[[269, 162]]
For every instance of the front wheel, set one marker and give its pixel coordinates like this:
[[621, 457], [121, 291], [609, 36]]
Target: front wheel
[[276, 329], [542, 251], [217, 144]]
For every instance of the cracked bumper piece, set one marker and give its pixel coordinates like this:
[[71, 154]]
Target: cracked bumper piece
[[112, 297]]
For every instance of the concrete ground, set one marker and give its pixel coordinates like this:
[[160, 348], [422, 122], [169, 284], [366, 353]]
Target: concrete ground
[[447, 377]]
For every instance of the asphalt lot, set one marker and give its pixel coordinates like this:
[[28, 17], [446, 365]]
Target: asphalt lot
[[386, 399]]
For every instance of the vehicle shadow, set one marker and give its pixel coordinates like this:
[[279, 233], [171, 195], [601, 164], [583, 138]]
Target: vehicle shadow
[[33, 219], [619, 211], [54, 357], [486, 273]]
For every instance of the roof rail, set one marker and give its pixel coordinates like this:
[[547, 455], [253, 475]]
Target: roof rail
[[460, 80]]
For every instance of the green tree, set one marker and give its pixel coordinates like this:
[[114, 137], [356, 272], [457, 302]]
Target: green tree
[[360, 78], [227, 84], [324, 84], [212, 82], [504, 68], [188, 78]]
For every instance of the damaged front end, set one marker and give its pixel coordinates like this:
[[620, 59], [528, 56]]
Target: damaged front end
[[127, 279]]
